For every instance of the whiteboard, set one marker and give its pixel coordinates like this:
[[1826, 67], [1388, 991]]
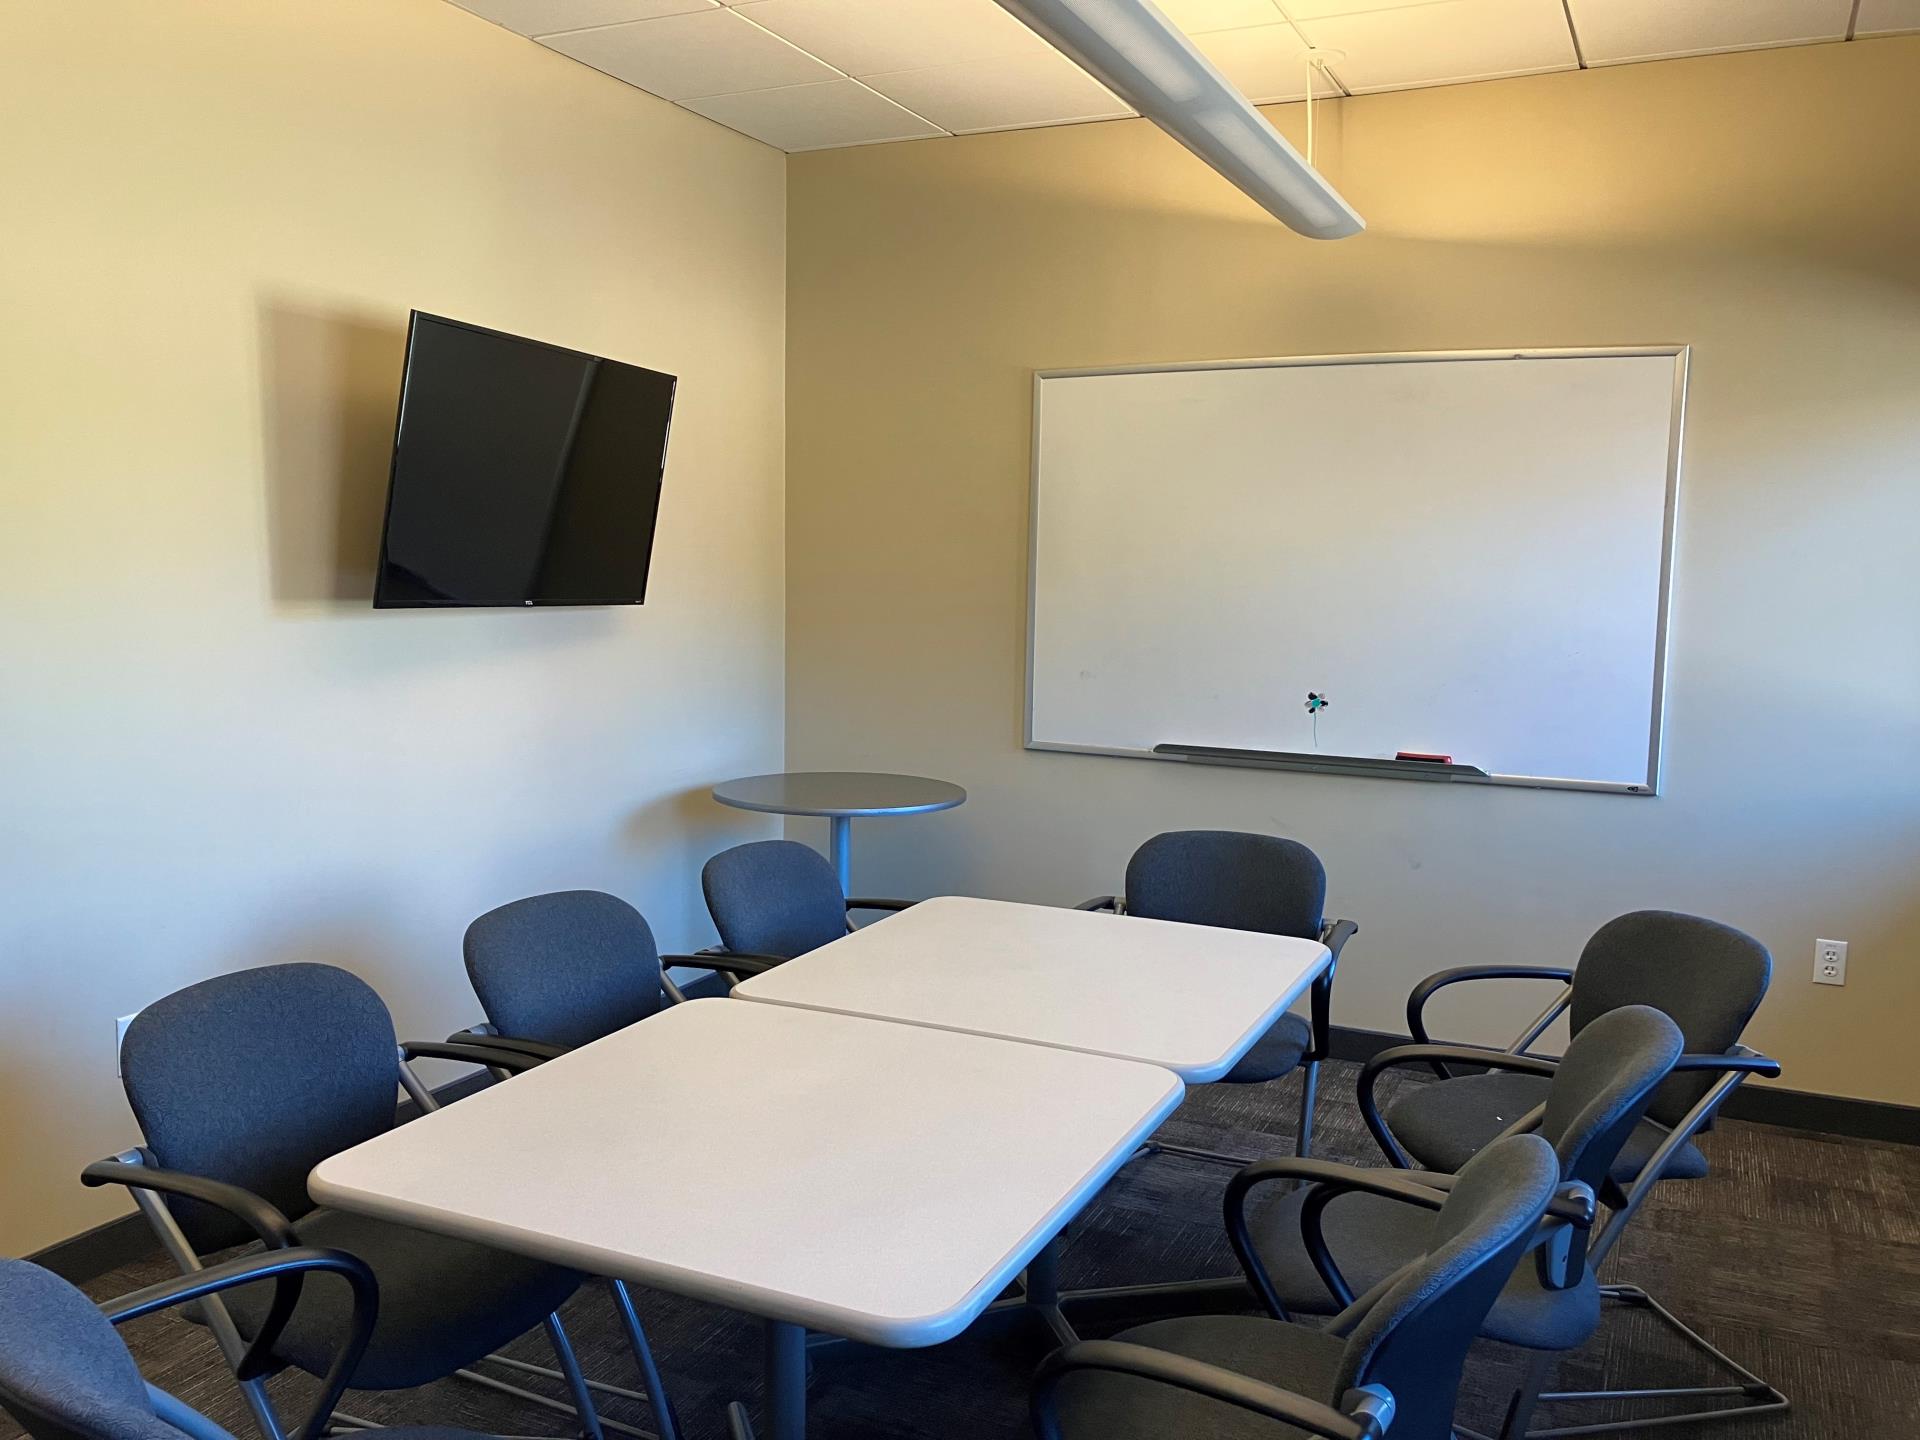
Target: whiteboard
[[1466, 553]]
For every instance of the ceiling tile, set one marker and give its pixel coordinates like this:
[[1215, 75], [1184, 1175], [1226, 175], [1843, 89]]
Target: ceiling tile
[[1198, 16], [1615, 31], [815, 117], [548, 17], [869, 37], [1444, 41], [1319, 9], [1887, 17], [1264, 62], [684, 57], [1004, 93]]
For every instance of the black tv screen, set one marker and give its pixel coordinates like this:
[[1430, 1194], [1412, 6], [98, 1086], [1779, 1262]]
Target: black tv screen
[[523, 473]]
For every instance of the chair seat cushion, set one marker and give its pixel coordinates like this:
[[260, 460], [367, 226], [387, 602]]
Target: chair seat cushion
[[1276, 1053], [1443, 1124], [1370, 1237], [1099, 1406], [443, 1302]]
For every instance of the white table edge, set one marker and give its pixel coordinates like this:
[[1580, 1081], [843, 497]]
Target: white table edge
[[1192, 1072], [899, 1333]]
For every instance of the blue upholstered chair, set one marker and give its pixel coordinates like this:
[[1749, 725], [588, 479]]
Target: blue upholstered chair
[[65, 1375], [1708, 978], [241, 1084], [555, 971], [1240, 881], [1315, 1262], [1388, 1365], [774, 899]]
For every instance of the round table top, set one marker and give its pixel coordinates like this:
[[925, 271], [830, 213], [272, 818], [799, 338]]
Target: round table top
[[849, 793]]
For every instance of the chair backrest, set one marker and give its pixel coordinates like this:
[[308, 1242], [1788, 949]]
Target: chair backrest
[[256, 1077], [64, 1373], [1602, 1088], [1708, 977], [564, 968], [774, 897], [1413, 1339], [1231, 879]]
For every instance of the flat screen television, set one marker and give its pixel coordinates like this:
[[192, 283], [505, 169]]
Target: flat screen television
[[523, 473]]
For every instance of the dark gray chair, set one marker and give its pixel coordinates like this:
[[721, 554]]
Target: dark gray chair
[[65, 1375], [1388, 1364], [241, 1085], [774, 899], [1709, 978], [1318, 1248], [569, 967], [1240, 881]]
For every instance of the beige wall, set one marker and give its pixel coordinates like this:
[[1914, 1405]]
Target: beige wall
[[214, 753], [1763, 207]]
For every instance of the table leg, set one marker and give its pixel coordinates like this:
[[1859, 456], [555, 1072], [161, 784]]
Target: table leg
[[1042, 1286], [786, 1381], [840, 832]]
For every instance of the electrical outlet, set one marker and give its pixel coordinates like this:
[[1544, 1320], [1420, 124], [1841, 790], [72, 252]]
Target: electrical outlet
[[120, 1038], [1829, 962]]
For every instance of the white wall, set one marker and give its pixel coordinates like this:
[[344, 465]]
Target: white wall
[[1763, 207], [213, 753]]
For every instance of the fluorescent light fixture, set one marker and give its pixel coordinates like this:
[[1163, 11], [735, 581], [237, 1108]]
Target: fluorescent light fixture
[[1137, 53]]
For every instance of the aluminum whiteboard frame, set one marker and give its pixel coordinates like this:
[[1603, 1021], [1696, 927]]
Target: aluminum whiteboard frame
[[1676, 431]]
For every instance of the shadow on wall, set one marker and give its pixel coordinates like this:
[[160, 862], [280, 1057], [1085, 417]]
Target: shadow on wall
[[330, 382]]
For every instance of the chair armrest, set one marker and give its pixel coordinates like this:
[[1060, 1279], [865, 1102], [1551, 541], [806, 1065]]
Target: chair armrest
[[1101, 902], [875, 904], [286, 1268], [135, 1170], [1435, 983], [260, 1216], [533, 1049], [1425, 1054], [1746, 1062], [727, 962], [1573, 1202], [497, 1057], [1369, 1413], [739, 1427], [1334, 934], [1328, 1179]]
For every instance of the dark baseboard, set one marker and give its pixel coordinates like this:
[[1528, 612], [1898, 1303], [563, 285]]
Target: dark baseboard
[[1361, 1046], [1756, 1100], [1829, 1114], [92, 1253]]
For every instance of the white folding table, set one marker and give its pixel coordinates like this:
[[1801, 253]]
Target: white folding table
[[875, 1181], [1191, 998]]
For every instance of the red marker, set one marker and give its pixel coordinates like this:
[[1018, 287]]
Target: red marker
[[1429, 759]]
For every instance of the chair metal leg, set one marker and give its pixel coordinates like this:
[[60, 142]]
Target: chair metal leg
[[1303, 1134], [1527, 1398], [218, 1320], [664, 1417], [576, 1381], [1755, 1396], [1193, 1152], [547, 1402], [1309, 1092], [654, 1394]]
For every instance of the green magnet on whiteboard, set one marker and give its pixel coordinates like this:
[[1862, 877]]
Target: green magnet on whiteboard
[[1316, 702]]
